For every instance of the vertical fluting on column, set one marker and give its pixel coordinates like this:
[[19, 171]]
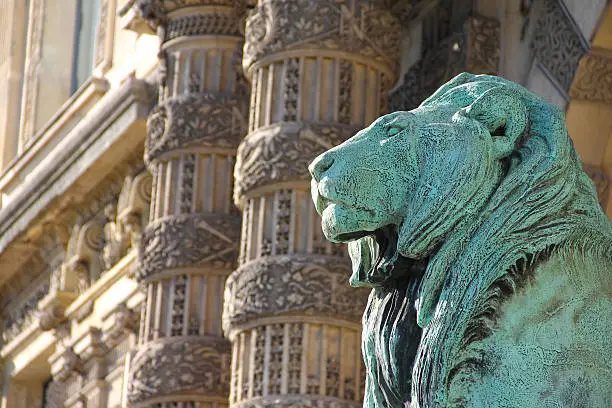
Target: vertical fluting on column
[[319, 72], [191, 243]]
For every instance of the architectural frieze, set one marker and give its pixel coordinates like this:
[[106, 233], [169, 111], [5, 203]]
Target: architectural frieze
[[364, 27], [179, 367], [24, 314], [203, 119], [558, 43], [306, 284], [155, 12], [593, 79], [219, 22], [282, 152], [188, 240]]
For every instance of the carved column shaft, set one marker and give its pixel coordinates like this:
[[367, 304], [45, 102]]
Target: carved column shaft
[[319, 72], [190, 245]]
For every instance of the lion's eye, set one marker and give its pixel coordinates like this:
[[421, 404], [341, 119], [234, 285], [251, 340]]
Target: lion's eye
[[392, 131]]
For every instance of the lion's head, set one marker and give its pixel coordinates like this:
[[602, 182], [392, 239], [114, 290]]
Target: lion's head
[[454, 193]]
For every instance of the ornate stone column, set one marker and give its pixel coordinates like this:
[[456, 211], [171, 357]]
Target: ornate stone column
[[319, 71], [190, 244]]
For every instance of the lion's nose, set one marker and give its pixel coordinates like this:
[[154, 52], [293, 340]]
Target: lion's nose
[[319, 165]]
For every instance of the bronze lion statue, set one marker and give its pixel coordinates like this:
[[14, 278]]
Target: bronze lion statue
[[488, 255]]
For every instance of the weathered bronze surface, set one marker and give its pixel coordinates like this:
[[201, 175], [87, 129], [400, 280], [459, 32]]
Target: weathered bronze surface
[[488, 255]]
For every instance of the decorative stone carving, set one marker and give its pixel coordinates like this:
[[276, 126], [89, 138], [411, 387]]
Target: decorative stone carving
[[115, 243], [84, 255], [179, 367], [23, 315], [217, 23], [121, 321], [203, 119], [133, 207], [362, 27], [481, 276], [52, 308], [189, 240], [69, 362], [558, 43], [476, 49], [593, 80], [282, 152], [287, 284]]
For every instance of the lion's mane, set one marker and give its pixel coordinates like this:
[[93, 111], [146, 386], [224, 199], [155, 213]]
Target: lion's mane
[[544, 201]]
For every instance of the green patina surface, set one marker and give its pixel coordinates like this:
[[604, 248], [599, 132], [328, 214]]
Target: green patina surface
[[489, 258]]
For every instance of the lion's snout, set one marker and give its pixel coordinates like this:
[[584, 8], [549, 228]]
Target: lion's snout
[[320, 165]]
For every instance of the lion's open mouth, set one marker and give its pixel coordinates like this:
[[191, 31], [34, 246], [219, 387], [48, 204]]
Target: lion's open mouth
[[376, 260]]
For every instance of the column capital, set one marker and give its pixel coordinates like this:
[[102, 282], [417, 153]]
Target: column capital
[[365, 27], [304, 284], [157, 12], [180, 367]]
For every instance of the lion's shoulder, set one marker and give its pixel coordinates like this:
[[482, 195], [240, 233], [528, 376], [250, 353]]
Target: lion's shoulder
[[552, 338]]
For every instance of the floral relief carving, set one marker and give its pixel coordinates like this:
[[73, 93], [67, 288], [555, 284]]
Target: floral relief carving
[[558, 43], [183, 365], [275, 285], [593, 80], [215, 23], [188, 240], [21, 316], [364, 26], [283, 152], [205, 119]]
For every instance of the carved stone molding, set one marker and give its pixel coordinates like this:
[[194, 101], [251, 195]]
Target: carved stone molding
[[364, 27], [593, 81], [52, 309], [66, 363], [204, 119], [104, 36], [292, 284], [476, 50], [283, 152], [558, 43], [133, 206], [21, 315], [122, 320], [213, 23], [182, 366], [187, 241], [155, 12], [32, 66]]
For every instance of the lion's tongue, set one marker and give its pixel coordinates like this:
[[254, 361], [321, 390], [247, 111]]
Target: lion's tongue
[[376, 260]]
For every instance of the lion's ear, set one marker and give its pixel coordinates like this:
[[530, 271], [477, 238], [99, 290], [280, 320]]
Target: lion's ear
[[503, 112]]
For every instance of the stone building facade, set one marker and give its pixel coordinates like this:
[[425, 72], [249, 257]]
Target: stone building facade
[[158, 244]]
